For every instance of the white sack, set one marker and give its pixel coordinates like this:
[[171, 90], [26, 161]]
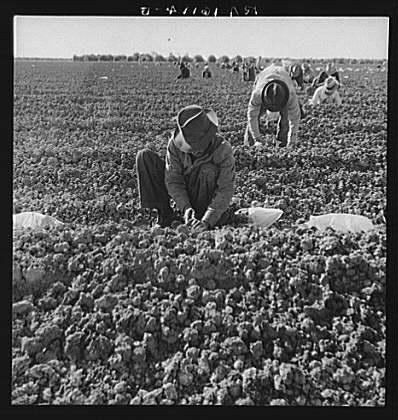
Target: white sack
[[33, 220], [341, 222], [261, 216]]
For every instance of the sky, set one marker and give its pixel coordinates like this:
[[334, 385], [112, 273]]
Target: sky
[[295, 37]]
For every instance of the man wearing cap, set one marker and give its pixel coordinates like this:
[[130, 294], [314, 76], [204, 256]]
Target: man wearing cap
[[206, 72], [251, 72], [198, 173], [296, 74], [308, 75], [327, 93], [332, 71], [184, 71], [273, 91]]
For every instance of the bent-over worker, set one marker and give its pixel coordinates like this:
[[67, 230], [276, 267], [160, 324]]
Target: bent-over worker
[[273, 91]]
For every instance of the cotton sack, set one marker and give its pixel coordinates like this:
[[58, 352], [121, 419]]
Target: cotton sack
[[33, 220], [341, 222], [261, 216]]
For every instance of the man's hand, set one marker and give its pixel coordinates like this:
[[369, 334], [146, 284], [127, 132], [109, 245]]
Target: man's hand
[[189, 215], [200, 226]]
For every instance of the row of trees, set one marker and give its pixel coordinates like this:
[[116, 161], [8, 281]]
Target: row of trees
[[137, 57], [153, 57]]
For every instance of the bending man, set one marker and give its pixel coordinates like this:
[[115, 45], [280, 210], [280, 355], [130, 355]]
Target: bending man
[[273, 91]]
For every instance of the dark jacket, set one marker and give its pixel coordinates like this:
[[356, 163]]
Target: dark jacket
[[318, 81], [296, 73]]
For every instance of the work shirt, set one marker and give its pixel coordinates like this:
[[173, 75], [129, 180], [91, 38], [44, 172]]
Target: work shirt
[[292, 107], [321, 96]]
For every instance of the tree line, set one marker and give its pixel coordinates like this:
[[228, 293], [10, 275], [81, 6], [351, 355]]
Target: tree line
[[199, 58], [154, 57], [143, 57]]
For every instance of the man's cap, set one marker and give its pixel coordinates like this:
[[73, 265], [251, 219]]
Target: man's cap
[[275, 95]]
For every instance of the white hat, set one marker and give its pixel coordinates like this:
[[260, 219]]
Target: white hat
[[331, 83]]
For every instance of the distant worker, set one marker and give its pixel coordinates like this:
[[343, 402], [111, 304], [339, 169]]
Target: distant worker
[[327, 93], [308, 74], [296, 73], [184, 72], [317, 82], [244, 72], [249, 72], [332, 71], [320, 79], [206, 72], [273, 91]]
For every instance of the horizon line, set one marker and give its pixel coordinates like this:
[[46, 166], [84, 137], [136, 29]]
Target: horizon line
[[193, 55]]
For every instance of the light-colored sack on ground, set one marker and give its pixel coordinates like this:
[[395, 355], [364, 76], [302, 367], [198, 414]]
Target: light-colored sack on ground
[[341, 222], [33, 220], [261, 216]]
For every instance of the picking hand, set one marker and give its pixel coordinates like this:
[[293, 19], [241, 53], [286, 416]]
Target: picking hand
[[200, 226], [189, 215]]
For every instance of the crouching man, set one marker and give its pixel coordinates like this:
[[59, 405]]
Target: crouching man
[[198, 173], [273, 91], [327, 93]]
